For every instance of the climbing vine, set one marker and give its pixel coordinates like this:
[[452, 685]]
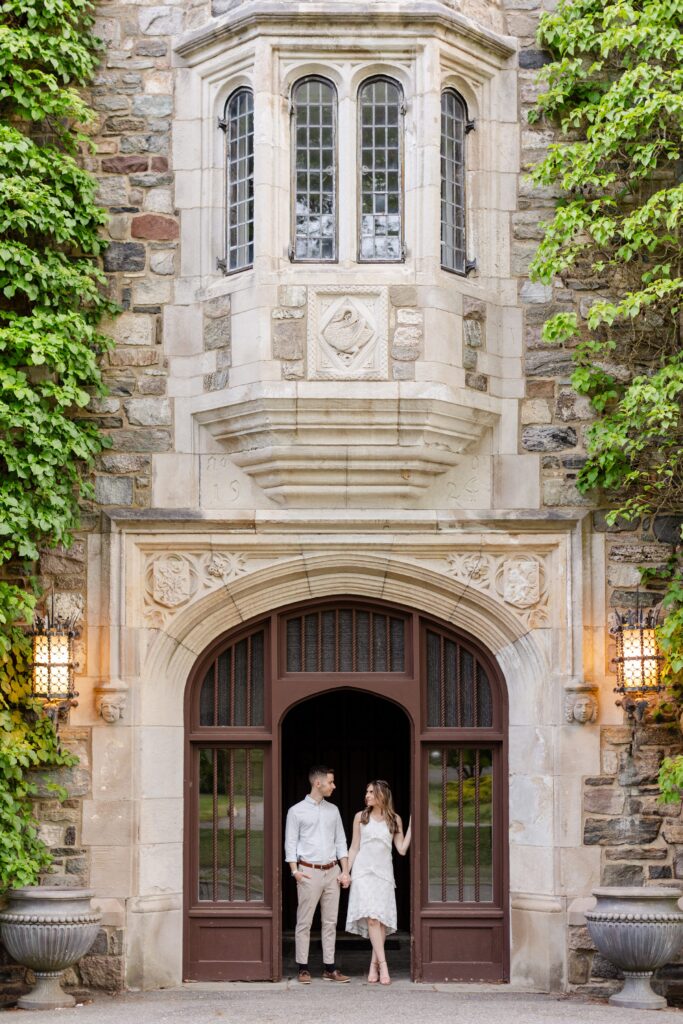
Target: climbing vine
[[51, 300], [615, 87]]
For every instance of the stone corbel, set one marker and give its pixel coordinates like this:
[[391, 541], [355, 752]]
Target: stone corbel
[[110, 701], [580, 703]]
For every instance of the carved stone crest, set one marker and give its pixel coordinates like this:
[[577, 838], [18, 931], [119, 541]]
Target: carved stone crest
[[171, 581], [347, 334], [521, 582]]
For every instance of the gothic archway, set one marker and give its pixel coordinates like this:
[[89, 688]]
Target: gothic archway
[[453, 695]]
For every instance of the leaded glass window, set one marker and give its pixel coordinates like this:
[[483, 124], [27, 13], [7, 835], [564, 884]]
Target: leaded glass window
[[380, 104], [460, 815], [231, 861], [346, 640], [314, 103], [458, 689], [239, 130], [453, 130], [232, 691]]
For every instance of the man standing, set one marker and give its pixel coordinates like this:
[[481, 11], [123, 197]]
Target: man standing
[[314, 843]]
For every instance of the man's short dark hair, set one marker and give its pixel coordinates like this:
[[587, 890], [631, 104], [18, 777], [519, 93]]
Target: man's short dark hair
[[319, 771]]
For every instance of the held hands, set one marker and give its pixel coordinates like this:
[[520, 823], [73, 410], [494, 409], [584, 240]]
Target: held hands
[[344, 880]]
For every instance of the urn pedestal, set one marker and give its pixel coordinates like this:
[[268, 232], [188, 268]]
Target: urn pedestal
[[638, 929], [48, 930]]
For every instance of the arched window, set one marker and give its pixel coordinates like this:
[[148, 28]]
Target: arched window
[[314, 228], [454, 127], [238, 126], [380, 129]]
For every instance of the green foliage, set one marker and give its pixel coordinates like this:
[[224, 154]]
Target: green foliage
[[615, 87], [27, 742], [51, 300]]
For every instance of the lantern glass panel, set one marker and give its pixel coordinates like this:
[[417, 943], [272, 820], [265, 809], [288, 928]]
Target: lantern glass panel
[[41, 650], [640, 660], [41, 681], [60, 649], [52, 665]]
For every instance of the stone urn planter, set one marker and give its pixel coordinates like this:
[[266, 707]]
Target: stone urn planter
[[638, 929], [48, 930]]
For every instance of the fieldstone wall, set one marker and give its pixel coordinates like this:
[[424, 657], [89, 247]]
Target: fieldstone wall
[[641, 841]]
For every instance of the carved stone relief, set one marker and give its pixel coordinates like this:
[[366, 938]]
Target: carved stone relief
[[226, 567], [581, 705], [110, 701], [521, 582], [347, 334], [172, 581]]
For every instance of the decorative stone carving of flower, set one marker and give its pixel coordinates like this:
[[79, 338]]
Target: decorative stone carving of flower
[[226, 566], [472, 567]]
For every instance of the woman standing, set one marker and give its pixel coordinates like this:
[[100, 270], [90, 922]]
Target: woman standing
[[372, 903]]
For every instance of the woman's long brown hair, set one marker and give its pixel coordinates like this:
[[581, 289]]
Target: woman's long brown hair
[[386, 805]]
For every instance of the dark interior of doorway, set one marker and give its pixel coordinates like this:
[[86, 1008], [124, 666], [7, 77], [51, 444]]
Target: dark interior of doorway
[[362, 737]]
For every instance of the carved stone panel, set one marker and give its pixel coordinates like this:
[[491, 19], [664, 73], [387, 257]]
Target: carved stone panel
[[521, 582], [347, 334]]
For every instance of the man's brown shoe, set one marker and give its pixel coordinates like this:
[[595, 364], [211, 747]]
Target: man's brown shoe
[[305, 977], [335, 976]]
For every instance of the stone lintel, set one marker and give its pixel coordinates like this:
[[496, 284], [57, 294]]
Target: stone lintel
[[420, 14]]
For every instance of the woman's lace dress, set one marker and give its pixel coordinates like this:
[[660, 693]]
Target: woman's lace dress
[[372, 880]]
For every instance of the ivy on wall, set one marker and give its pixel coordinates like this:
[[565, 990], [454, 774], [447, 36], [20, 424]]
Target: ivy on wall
[[52, 298], [615, 86]]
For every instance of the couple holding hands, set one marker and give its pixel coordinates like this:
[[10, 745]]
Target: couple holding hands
[[316, 851]]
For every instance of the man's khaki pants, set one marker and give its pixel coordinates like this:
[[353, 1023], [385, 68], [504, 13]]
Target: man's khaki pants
[[319, 887]]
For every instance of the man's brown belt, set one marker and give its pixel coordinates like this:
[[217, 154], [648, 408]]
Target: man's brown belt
[[320, 867]]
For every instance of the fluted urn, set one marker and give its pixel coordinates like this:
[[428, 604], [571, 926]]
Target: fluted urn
[[48, 930], [638, 929]]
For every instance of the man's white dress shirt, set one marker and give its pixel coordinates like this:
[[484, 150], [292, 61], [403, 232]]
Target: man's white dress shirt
[[314, 832]]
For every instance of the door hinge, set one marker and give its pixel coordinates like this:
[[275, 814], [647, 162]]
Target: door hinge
[[222, 124], [470, 126]]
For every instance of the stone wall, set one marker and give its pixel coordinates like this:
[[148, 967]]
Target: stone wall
[[641, 842]]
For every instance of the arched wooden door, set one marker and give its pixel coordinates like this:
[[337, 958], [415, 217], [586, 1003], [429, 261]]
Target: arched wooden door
[[238, 696]]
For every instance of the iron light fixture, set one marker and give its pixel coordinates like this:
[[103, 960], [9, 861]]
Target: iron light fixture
[[638, 660], [53, 665]]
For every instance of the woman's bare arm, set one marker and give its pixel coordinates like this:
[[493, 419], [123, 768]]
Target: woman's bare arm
[[401, 841], [355, 841]]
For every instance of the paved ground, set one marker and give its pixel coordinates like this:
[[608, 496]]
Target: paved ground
[[325, 1003]]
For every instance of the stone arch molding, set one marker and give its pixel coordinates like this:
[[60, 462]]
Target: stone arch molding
[[175, 649]]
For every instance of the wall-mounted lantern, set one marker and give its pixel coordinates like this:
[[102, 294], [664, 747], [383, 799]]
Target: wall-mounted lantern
[[53, 665], [638, 660]]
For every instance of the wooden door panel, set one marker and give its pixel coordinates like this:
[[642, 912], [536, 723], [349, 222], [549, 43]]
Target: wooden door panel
[[462, 950], [230, 949]]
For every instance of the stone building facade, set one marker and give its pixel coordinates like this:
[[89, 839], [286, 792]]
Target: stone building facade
[[361, 435]]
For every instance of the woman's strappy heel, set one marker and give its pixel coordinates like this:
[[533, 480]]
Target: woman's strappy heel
[[373, 973], [387, 980]]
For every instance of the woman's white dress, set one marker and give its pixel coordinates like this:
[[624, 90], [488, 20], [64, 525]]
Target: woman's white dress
[[372, 880]]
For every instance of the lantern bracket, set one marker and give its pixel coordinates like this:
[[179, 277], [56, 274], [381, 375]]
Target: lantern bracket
[[635, 709]]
